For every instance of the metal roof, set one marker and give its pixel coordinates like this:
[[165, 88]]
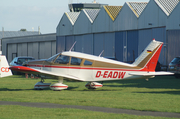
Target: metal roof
[[167, 5], [91, 13], [137, 7], [72, 16], [5, 34], [113, 11]]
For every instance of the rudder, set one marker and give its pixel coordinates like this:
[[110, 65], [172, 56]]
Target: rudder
[[149, 57]]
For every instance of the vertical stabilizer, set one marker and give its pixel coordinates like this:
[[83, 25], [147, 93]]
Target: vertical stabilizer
[[4, 66], [149, 57]]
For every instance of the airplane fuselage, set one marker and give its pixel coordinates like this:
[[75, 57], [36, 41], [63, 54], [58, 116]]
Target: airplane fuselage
[[99, 69]]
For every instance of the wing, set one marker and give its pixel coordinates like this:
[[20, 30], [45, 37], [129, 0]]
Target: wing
[[42, 72], [151, 73]]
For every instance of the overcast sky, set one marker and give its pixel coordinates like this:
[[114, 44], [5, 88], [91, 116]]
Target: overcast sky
[[29, 14]]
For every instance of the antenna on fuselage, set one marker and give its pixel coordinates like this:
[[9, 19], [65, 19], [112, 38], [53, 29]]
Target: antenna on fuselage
[[72, 46], [101, 53]]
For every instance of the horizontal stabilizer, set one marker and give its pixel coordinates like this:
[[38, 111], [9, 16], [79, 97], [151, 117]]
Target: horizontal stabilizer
[[151, 73]]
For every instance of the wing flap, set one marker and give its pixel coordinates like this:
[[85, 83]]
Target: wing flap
[[151, 73]]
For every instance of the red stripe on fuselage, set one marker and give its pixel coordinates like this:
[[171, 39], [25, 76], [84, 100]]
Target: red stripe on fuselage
[[87, 68]]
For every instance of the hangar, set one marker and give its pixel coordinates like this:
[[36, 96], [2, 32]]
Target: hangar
[[37, 46], [123, 32]]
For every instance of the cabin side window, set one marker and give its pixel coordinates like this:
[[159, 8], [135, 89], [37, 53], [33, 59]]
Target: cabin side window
[[62, 59], [75, 61], [86, 62]]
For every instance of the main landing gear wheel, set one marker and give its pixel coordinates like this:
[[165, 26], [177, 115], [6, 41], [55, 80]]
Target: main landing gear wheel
[[93, 85], [59, 86]]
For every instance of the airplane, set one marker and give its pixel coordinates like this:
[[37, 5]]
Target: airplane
[[4, 67], [92, 69]]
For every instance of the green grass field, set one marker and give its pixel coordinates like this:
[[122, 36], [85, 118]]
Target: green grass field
[[158, 94]]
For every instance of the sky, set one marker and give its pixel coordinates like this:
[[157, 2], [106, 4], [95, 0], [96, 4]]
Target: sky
[[46, 14]]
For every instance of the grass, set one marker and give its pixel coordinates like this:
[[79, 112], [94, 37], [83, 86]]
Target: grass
[[17, 112], [158, 94]]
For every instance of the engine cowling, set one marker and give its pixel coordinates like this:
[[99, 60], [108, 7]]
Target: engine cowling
[[93, 85]]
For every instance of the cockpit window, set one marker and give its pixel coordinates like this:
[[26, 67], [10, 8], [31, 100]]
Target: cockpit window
[[86, 62], [51, 59], [62, 59], [75, 61]]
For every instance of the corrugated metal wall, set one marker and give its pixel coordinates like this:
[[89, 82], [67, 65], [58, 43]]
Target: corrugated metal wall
[[173, 20], [98, 44], [119, 47], [84, 43], [83, 24], [152, 16], [45, 50], [88, 43], [64, 27], [79, 46], [22, 49], [126, 20], [33, 50], [12, 51], [60, 43], [69, 41], [102, 23], [104, 42], [132, 46], [173, 44], [53, 48], [39, 47], [109, 45], [146, 36], [126, 45]]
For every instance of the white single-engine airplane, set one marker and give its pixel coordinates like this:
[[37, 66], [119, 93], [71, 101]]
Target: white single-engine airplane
[[90, 68]]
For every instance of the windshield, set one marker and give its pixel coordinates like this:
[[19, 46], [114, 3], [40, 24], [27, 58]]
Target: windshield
[[59, 59], [176, 60], [62, 59], [51, 59]]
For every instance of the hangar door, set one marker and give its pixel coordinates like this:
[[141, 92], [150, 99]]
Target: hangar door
[[60, 44], [104, 42], [12, 52], [46, 49], [84, 43]]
